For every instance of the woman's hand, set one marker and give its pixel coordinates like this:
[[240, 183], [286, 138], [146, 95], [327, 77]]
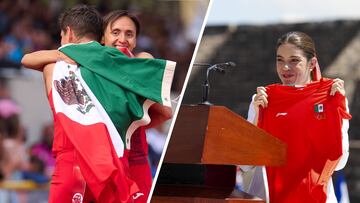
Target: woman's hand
[[260, 98], [39, 59], [337, 86]]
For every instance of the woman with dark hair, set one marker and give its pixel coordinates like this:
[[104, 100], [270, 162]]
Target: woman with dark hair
[[310, 114], [121, 29]]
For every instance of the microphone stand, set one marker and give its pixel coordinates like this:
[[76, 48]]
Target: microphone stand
[[206, 87]]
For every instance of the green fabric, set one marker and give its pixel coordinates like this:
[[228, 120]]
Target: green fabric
[[121, 84]]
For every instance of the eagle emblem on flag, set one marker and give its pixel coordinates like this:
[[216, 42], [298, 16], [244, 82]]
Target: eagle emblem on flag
[[72, 93]]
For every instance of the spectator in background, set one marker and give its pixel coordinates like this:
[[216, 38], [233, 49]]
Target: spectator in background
[[4, 50], [18, 40], [35, 171], [15, 156], [24, 26], [42, 150], [4, 16], [4, 91], [41, 39]]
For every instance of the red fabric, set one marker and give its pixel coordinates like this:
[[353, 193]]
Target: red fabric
[[313, 139], [139, 165], [140, 170], [139, 147], [105, 174], [62, 178], [141, 174], [65, 183], [126, 51]]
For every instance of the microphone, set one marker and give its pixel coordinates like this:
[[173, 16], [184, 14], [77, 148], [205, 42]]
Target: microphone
[[220, 66], [227, 64]]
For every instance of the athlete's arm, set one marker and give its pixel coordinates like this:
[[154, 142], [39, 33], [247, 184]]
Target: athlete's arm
[[37, 60], [47, 74]]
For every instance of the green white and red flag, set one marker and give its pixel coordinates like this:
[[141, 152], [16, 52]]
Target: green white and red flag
[[100, 103]]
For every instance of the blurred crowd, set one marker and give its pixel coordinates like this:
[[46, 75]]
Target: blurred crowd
[[18, 162], [25, 26], [31, 25]]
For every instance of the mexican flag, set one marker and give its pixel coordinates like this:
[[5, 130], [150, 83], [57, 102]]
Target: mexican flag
[[100, 103]]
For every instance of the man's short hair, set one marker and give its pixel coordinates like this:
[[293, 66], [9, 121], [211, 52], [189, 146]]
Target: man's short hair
[[84, 20]]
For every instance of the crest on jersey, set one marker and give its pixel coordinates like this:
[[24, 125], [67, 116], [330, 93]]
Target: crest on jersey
[[319, 111]]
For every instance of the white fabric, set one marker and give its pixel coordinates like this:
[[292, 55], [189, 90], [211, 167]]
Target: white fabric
[[257, 185], [95, 115]]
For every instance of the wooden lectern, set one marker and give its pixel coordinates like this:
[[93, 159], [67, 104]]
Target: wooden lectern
[[206, 145]]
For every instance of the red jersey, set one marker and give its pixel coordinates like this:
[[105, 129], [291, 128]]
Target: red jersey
[[309, 121], [139, 165]]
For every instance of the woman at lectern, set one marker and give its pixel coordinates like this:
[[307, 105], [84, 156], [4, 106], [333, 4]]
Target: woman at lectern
[[310, 114]]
